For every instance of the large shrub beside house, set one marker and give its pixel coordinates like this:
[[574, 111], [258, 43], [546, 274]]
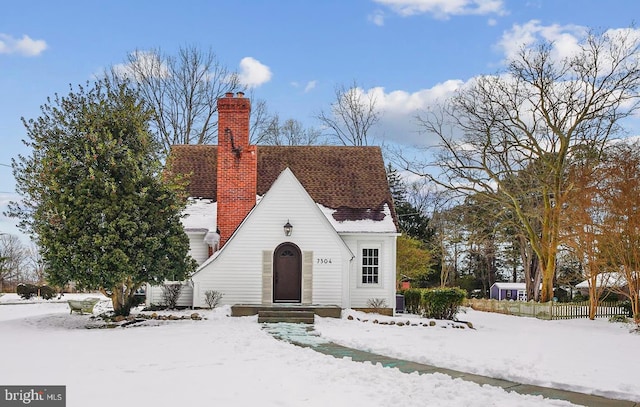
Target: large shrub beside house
[[94, 196], [442, 303], [437, 303]]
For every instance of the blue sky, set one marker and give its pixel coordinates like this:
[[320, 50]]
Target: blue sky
[[292, 53]]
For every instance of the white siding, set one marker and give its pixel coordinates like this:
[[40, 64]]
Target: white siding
[[198, 249], [386, 288], [237, 271], [154, 296]]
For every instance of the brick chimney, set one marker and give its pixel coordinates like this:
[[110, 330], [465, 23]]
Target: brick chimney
[[237, 164]]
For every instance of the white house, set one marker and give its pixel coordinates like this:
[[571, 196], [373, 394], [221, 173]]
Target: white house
[[309, 225]]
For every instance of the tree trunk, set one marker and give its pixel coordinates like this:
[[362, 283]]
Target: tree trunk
[[444, 269], [122, 297], [634, 296], [531, 265], [537, 280], [594, 297]]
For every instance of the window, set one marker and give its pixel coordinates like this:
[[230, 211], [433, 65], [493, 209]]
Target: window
[[522, 296], [370, 266]]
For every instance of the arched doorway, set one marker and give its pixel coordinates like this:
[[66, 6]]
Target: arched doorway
[[287, 273]]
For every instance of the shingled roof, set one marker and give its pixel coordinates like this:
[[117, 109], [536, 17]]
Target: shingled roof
[[351, 180]]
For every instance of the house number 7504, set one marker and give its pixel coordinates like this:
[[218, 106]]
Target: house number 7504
[[323, 260]]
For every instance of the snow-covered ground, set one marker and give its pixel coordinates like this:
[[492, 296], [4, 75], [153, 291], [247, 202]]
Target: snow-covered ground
[[233, 361], [594, 357]]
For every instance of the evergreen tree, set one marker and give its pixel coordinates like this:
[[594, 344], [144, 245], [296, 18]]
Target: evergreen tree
[[412, 221], [414, 259], [94, 197], [396, 186]]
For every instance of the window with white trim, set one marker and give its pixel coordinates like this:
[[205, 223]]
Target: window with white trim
[[370, 265], [522, 296]]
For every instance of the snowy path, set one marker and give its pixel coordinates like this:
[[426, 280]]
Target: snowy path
[[306, 336]]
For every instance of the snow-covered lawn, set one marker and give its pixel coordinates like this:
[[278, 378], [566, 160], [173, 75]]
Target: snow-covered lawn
[[232, 361], [595, 357]]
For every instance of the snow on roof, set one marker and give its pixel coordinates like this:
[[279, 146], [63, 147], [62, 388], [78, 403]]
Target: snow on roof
[[385, 225], [511, 286], [606, 280], [200, 214]]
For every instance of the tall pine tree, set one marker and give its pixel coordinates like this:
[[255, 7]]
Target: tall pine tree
[[94, 197], [412, 221], [414, 260]]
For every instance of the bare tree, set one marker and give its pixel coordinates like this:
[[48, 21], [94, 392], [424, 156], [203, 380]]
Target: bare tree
[[182, 90], [481, 220], [620, 237], [583, 231], [260, 120], [535, 115], [12, 259], [447, 237], [35, 264], [351, 117], [289, 133]]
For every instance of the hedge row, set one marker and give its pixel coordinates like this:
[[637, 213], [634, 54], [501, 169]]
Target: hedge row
[[437, 303], [26, 291]]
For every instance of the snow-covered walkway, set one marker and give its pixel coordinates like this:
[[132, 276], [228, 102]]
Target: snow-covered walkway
[[305, 336]]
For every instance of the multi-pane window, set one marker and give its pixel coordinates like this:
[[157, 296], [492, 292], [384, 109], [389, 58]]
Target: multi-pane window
[[370, 266]]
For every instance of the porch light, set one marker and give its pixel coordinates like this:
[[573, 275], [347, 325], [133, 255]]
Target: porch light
[[288, 227]]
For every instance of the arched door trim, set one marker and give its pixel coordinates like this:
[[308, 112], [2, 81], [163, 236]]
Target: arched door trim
[[287, 273]]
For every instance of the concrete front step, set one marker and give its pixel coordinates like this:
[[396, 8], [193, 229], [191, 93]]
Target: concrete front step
[[243, 310], [294, 317]]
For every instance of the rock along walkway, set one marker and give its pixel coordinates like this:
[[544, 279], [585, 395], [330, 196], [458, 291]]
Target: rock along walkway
[[305, 336]]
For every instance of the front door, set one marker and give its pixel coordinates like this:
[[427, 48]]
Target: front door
[[287, 273]]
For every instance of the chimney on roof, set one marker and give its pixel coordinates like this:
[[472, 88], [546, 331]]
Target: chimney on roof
[[237, 164]]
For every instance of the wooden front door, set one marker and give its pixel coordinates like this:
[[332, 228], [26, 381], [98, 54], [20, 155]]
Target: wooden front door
[[287, 273]]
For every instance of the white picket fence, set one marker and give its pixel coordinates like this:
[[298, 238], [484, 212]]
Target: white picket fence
[[545, 310]]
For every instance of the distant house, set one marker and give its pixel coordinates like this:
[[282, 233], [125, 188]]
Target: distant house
[[308, 225], [508, 291], [605, 282]]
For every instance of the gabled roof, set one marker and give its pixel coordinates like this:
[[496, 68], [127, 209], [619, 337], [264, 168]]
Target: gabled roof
[[606, 280], [510, 286], [351, 180], [286, 177]]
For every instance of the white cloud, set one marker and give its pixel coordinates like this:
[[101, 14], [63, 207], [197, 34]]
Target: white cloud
[[566, 41], [377, 18], [310, 86], [443, 9], [253, 73], [399, 109], [142, 61], [401, 102], [565, 38], [25, 46]]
